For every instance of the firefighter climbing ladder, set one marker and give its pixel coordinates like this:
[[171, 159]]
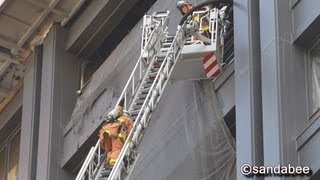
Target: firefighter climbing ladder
[[142, 92]]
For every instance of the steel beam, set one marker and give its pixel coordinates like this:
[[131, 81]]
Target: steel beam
[[73, 11], [30, 115], [95, 24], [4, 67], [9, 59], [15, 19], [7, 42], [4, 91], [248, 85], [58, 70], [35, 25], [40, 4]]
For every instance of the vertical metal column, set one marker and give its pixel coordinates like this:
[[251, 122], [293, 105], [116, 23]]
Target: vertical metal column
[[30, 116], [60, 80], [248, 84]]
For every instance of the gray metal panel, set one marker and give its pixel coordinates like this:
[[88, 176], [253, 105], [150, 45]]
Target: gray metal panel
[[226, 94], [271, 126], [188, 70], [97, 22], [183, 139], [284, 94], [103, 90], [308, 133], [46, 112], [105, 87], [11, 109], [309, 151], [58, 86], [30, 116], [308, 145], [247, 84], [11, 126], [306, 21]]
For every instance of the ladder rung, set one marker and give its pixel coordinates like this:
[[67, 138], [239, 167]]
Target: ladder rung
[[147, 85], [167, 44], [142, 96], [149, 81], [135, 112], [159, 59], [139, 103], [152, 74], [145, 90], [137, 107], [162, 55], [164, 49], [139, 100], [156, 64]]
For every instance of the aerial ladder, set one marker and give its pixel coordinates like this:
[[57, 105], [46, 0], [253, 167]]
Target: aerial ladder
[[160, 53]]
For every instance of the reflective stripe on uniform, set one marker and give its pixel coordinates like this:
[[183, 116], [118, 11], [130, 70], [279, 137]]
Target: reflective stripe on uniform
[[121, 120], [205, 27], [122, 136], [112, 161]]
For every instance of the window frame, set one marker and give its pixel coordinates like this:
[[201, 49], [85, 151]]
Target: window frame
[[6, 146], [312, 115]]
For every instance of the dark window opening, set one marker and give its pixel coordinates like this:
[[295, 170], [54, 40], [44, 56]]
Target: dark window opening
[[230, 120], [229, 40], [121, 30], [116, 36]]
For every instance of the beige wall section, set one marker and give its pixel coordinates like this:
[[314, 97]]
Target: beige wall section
[[14, 150], [9, 156], [11, 109], [2, 163]]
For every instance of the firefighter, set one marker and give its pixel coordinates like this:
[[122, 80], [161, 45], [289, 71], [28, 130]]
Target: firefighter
[[114, 132], [184, 7]]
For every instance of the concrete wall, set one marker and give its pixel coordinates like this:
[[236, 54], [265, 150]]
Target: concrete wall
[[306, 32], [283, 76], [271, 43], [59, 82], [11, 109], [269, 88], [272, 39], [105, 88], [249, 132]]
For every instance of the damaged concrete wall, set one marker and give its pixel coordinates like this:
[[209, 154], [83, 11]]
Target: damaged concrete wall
[[186, 138], [105, 87]]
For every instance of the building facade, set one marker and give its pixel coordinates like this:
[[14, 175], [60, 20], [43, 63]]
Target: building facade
[[268, 96]]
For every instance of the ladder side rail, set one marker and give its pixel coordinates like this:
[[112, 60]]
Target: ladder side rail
[[143, 69], [90, 158], [164, 72], [87, 161], [98, 172], [136, 122], [152, 40], [133, 138], [155, 49], [144, 32], [214, 25], [100, 159]]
